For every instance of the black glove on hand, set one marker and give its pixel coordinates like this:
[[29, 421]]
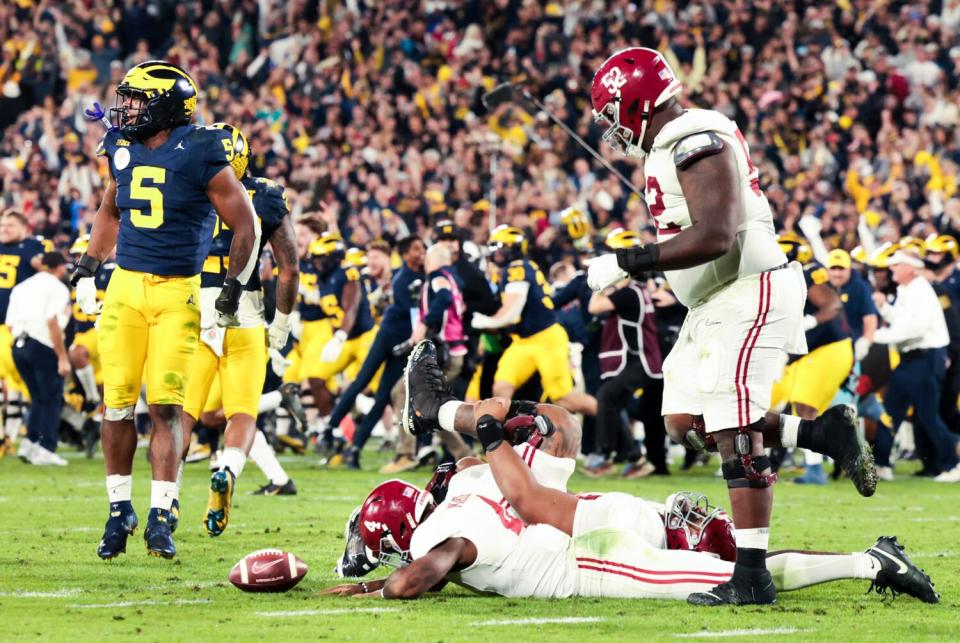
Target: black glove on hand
[[490, 432], [638, 260], [229, 300], [87, 266]]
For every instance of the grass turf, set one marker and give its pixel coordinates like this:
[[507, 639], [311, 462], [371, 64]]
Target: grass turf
[[53, 586]]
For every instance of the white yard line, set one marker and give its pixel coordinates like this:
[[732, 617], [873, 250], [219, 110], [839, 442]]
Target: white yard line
[[541, 621], [183, 601], [60, 593], [706, 634], [328, 612]]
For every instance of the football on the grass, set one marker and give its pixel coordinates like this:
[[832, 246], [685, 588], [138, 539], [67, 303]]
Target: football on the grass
[[268, 570]]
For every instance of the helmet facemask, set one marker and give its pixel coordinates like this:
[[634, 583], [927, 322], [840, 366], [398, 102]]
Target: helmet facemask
[[689, 512], [131, 115], [619, 136]]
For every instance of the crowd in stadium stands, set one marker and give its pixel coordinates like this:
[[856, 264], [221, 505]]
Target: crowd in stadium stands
[[370, 115]]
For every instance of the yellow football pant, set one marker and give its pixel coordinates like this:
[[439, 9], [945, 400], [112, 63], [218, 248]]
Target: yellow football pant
[[149, 330], [546, 353], [815, 379], [239, 372]]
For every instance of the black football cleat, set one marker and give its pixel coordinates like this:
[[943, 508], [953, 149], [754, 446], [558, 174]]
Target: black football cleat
[[270, 489], [158, 535], [898, 573], [290, 401], [121, 524], [744, 588], [844, 443], [426, 390]]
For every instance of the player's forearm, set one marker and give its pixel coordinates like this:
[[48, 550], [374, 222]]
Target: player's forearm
[[288, 280], [515, 481], [284, 245], [351, 306], [694, 246], [243, 259]]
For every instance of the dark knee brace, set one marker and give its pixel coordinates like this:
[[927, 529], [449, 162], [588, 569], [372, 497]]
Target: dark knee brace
[[745, 469]]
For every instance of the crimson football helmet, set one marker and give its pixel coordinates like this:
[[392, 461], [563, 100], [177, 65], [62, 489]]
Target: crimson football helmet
[[626, 89], [694, 524], [388, 518]]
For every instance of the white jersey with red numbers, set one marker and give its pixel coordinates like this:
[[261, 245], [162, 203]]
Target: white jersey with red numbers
[[756, 248], [550, 471], [746, 307]]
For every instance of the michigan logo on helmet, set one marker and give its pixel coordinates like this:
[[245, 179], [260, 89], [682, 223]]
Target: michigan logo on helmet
[[507, 244], [914, 244], [795, 247], [880, 258], [618, 238], [239, 155], [943, 244], [327, 244], [445, 229], [626, 89], [80, 245], [356, 257], [153, 96]]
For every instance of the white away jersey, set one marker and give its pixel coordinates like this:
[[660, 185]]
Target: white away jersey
[[512, 558], [756, 248], [548, 470]]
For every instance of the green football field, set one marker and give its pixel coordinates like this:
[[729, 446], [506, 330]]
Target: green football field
[[53, 586]]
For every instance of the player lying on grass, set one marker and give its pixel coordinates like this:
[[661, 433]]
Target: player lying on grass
[[510, 528]]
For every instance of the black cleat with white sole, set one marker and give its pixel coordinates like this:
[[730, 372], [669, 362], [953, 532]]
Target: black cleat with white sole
[[426, 390], [271, 489], [745, 587], [898, 573], [837, 431]]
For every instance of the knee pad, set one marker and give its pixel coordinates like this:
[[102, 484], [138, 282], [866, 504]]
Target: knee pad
[[745, 470], [117, 415]]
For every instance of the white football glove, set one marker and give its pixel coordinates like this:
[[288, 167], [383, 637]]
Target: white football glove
[[860, 348], [333, 347], [279, 331], [278, 362], [603, 272], [481, 321], [87, 296]]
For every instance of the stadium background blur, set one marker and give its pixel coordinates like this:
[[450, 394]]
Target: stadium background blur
[[850, 109], [370, 114]]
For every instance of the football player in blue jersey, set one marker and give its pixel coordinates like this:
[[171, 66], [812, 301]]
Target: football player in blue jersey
[[19, 258], [540, 344], [343, 300], [238, 355], [165, 174]]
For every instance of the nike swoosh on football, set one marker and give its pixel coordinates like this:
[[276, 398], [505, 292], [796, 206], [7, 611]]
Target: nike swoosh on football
[[257, 568], [900, 564]]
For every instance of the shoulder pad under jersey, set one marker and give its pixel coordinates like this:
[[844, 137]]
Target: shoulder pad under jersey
[[695, 147]]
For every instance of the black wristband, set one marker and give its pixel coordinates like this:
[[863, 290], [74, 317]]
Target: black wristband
[[229, 299], [635, 261], [87, 266], [490, 432]]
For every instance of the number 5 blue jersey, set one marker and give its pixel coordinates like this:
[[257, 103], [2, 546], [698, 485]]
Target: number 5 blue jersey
[[15, 267], [166, 219]]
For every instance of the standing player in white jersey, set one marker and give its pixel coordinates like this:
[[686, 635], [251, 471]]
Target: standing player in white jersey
[[717, 246]]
